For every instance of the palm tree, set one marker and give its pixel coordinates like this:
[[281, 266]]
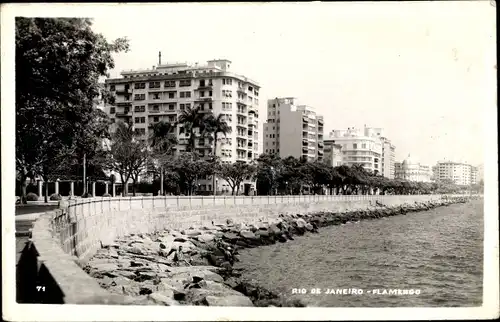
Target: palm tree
[[215, 124], [162, 141], [191, 119]]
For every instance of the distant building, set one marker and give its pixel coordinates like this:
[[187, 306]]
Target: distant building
[[461, 173], [368, 147], [412, 170], [293, 129], [333, 153]]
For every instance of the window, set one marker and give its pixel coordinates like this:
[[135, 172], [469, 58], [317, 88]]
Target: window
[[156, 108], [171, 107], [185, 83], [154, 84], [112, 120], [210, 93], [363, 145], [112, 110], [227, 81], [140, 108], [202, 94], [140, 120], [139, 97], [354, 146], [209, 106], [156, 119], [182, 107], [171, 94], [169, 84], [140, 131], [227, 93], [112, 87], [185, 94], [140, 85], [156, 96]]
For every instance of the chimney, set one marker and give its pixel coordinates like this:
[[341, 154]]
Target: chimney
[[159, 58]]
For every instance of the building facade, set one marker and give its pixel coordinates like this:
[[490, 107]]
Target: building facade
[[461, 173], [145, 97], [333, 153], [367, 147], [293, 130], [412, 170]]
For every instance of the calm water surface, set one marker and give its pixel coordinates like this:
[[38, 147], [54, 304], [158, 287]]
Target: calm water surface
[[439, 252]]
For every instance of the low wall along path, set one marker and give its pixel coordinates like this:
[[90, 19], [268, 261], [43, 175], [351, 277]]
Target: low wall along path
[[123, 245]]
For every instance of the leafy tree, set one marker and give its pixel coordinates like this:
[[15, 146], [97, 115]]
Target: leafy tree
[[124, 153], [269, 171], [189, 168], [213, 125], [58, 65], [191, 119], [163, 141], [236, 173]]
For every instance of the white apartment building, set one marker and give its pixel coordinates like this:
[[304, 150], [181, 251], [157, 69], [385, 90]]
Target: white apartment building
[[412, 170], [460, 173], [145, 97], [293, 130], [333, 153], [368, 147]]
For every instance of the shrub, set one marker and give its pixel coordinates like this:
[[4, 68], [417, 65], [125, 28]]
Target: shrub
[[106, 195], [87, 195], [32, 196], [55, 196]]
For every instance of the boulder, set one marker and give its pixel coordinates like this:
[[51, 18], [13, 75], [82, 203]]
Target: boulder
[[205, 238], [192, 232], [230, 300], [274, 229], [230, 236], [301, 223], [163, 299], [309, 227], [180, 239], [247, 234]]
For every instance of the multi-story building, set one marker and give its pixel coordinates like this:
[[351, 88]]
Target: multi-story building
[[412, 170], [145, 97], [480, 173], [367, 147], [388, 158], [474, 175], [333, 153], [458, 172], [293, 130]]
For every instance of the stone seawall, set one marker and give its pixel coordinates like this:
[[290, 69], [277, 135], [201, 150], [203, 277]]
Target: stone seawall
[[193, 265]]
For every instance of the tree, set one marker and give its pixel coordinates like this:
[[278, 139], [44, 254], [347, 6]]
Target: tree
[[213, 125], [125, 154], [191, 119], [189, 168], [236, 173], [139, 157], [58, 65], [163, 141], [269, 171]]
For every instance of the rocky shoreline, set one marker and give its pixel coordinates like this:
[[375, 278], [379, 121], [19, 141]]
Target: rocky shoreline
[[195, 266]]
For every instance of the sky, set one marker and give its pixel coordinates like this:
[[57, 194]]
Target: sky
[[425, 72]]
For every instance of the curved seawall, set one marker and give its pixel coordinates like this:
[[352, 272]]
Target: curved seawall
[[65, 240]]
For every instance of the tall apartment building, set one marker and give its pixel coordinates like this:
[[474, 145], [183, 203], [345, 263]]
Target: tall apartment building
[[412, 170], [474, 175], [460, 173], [293, 130], [145, 97], [333, 153], [368, 147]]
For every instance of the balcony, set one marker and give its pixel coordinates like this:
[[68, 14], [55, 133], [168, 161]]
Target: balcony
[[204, 99], [305, 120], [123, 104], [241, 111], [320, 145], [205, 87], [305, 143], [241, 89], [123, 91], [320, 122], [123, 113], [241, 101]]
